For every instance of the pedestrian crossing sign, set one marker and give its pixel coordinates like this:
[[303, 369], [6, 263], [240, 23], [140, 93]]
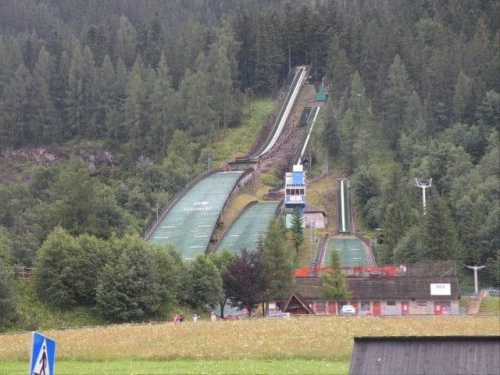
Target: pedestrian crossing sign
[[43, 352]]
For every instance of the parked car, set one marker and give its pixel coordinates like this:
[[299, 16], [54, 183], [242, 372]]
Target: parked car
[[278, 314], [348, 310]]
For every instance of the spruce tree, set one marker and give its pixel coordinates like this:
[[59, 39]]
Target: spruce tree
[[297, 230], [438, 237], [334, 286], [278, 263]]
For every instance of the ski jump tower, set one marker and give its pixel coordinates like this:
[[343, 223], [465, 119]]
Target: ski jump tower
[[295, 193]]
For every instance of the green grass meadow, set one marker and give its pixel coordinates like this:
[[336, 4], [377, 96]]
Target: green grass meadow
[[194, 366]]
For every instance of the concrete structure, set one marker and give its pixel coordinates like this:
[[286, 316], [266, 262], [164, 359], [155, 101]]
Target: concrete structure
[[315, 218]]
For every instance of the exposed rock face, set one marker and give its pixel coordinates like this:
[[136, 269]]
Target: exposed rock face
[[20, 160], [96, 158], [39, 155]]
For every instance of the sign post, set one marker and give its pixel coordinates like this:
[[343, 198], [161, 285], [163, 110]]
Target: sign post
[[43, 353]]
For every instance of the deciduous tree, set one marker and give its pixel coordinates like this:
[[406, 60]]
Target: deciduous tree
[[245, 281]]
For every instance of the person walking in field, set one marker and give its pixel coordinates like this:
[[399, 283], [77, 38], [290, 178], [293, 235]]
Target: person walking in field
[[213, 318]]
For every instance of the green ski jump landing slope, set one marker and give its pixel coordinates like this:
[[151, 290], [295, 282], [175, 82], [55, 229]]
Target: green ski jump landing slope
[[190, 222], [352, 252], [246, 230]]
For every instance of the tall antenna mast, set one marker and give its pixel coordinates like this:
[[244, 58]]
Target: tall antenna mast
[[423, 184]]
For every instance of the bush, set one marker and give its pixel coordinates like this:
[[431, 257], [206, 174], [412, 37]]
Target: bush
[[55, 274], [271, 180], [129, 288]]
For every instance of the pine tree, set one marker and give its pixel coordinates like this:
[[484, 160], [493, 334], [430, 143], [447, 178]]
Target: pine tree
[[463, 101], [81, 92], [413, 111], [291, 35], [339, 69], [43, 75], [395, 98], [106, 95], [334, 286], [19, 109], [372, 58], [398, 215], [196, 98], [134, 112], [164, 110], [126, 41]]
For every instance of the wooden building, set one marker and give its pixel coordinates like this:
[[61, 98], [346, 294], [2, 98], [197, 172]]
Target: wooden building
[[446, 355], [386, 295]]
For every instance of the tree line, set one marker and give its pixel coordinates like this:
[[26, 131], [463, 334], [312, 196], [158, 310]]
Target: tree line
[[429, 108], [126, 279], [414, 92]]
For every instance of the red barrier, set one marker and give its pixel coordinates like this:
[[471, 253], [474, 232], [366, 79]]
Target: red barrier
[[359, 270]]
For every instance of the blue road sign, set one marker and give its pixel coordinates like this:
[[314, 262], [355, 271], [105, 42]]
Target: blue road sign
[[43, 353]]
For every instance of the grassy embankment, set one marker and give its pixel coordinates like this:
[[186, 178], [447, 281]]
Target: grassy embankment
[[490, 306], [238, 141], [250, 346]]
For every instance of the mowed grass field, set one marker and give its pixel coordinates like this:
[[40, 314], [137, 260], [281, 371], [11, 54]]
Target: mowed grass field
[[303, 345]]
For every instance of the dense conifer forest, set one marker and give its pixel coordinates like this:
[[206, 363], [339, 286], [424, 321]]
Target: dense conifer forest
[[150, 85]]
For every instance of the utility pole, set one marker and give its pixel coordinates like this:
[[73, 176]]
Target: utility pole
[[423, 184], [475, 268]]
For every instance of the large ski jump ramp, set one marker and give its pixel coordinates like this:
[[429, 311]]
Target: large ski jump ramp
[[247, 228], [190, 222]]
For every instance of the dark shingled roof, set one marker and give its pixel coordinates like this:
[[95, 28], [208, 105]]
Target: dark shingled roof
[[446, 355], [383, 288], [310, 209]]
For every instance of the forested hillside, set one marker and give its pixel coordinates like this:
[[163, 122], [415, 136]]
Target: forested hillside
[[149, 86]]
